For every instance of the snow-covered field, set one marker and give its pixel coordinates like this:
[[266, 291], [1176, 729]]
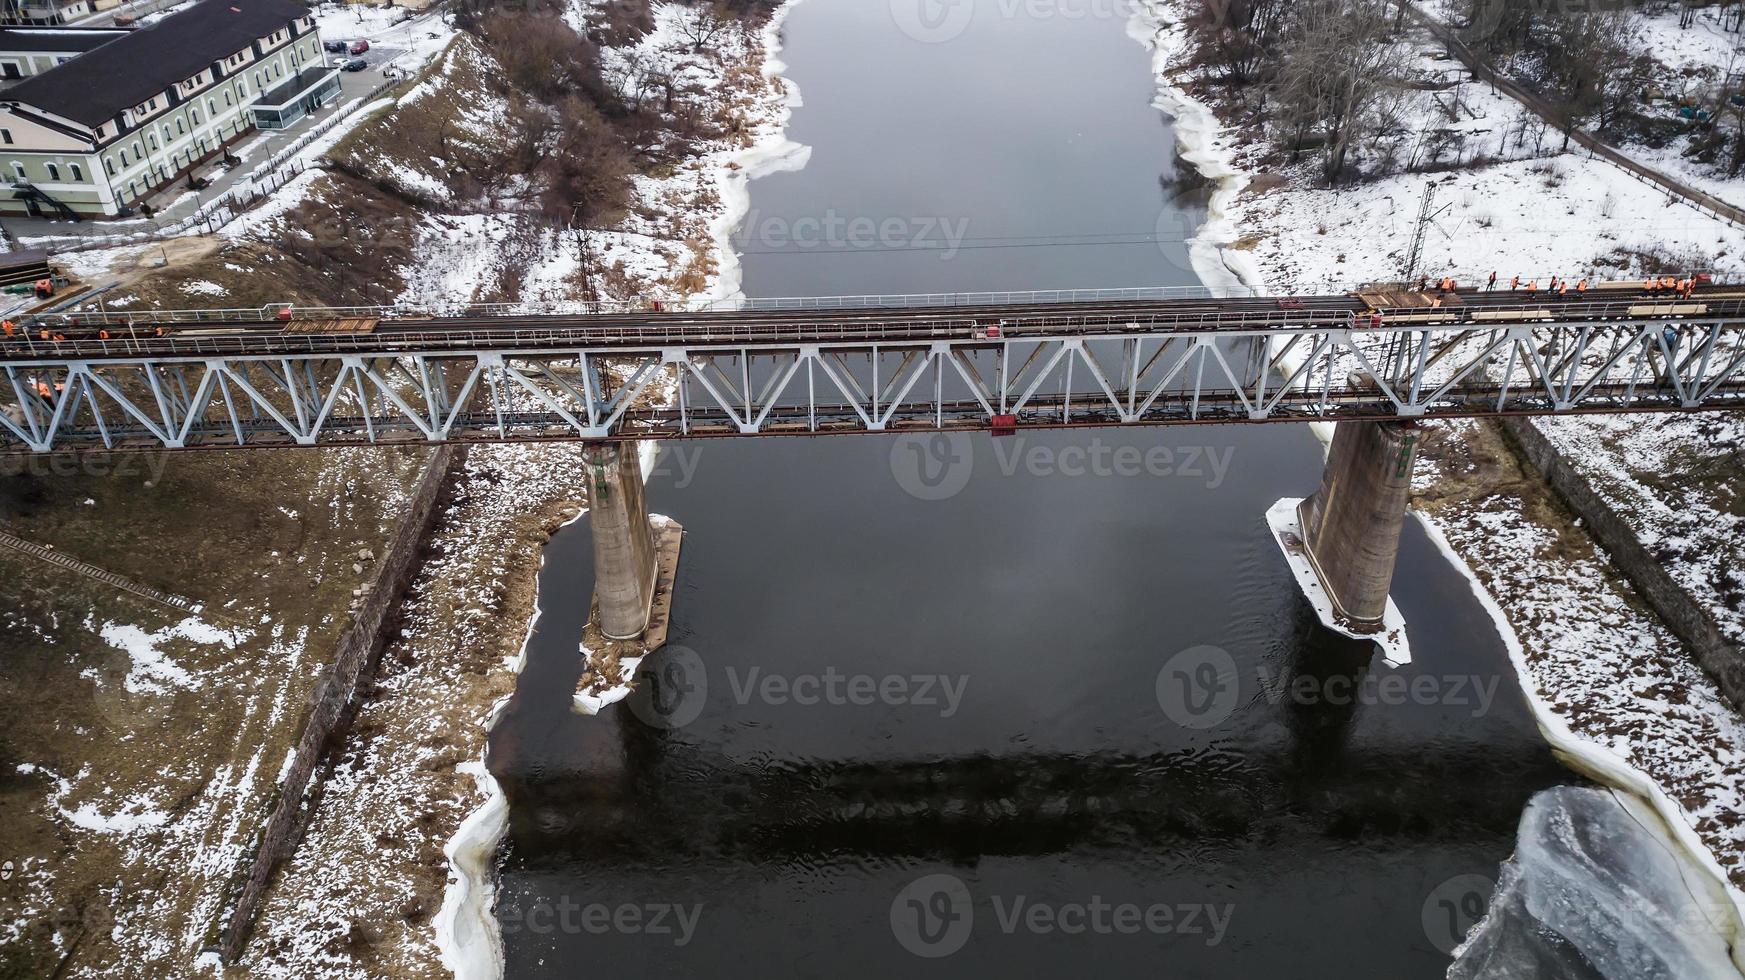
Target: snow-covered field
[[1593, 659]]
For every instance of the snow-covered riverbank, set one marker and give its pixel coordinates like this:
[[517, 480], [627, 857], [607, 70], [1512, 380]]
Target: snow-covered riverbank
[[1614, 693], [512, 499]]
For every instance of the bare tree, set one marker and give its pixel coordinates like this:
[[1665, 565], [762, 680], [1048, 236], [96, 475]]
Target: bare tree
[[1583, 52], [1338, 63], [1236, 36], [708, 23]]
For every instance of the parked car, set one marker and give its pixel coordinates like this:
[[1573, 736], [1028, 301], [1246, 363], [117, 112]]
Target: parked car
[[359, 46], [354, 64], [337, 47]]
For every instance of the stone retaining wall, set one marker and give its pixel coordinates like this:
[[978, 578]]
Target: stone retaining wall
[[333, 701], [1682, 613]]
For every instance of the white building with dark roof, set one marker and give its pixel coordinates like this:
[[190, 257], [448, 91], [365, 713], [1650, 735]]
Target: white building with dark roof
[[27, 51], [95, 135]]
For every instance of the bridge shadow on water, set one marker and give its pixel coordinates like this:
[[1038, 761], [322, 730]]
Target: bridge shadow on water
[[1321, 796]]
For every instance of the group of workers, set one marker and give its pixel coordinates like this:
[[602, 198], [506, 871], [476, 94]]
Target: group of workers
[[12, 331], [1673, 286]]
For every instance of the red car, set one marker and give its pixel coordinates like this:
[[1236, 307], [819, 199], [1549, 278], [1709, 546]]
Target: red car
[[359, 46]]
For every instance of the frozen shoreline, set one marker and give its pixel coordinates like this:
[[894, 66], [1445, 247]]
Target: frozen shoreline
[[467, 936], [1200, 138], [772, 152]]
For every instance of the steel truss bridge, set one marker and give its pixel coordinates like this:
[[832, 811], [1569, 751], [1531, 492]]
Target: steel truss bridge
[[331, 377]]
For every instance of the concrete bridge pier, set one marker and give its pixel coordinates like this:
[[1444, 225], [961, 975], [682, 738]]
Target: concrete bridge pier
[[625, 570], [1342, 542]]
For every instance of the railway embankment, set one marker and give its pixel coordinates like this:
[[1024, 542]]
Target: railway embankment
[[333, 704]]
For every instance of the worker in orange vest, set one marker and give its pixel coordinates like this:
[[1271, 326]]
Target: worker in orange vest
[[10, 330], [1581, 288], [1515, 284], [1532, 288], [102, 335]]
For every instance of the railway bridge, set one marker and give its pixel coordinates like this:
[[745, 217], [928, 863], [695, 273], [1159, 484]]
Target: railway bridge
[[1379, 360]]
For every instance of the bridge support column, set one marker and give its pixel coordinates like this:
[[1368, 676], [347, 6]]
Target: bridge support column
[[1343, 541], [624, 546]]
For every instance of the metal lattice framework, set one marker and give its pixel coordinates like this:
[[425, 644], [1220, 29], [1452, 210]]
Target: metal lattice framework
[[936, 373]]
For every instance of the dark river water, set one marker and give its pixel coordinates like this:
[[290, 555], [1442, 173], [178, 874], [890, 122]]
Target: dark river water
[[1037, 706]]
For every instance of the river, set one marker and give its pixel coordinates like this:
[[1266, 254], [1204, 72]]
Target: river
[[1025, 707]]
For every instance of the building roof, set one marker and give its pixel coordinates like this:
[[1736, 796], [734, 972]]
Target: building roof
[[19, 38], [94, 88]]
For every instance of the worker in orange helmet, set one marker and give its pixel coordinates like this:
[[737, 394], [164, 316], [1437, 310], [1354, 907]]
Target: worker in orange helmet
[[1515, 284], [1581, 288]]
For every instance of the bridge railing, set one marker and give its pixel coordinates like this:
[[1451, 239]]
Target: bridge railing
[[270, 311], [437, 341]]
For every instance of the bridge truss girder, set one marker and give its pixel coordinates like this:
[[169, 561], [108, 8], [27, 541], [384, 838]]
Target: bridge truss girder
[[1139, 376]]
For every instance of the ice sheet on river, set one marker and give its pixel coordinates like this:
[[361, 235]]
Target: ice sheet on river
[[1593, 891]]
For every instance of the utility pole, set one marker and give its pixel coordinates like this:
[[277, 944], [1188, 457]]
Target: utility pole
[[1424, 216]]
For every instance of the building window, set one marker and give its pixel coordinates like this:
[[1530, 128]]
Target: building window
[[6, 136], [227, 102], [18, 170], [54, 173], [180, 129], [109, 163], [168, 139], [78, 173], [211, 108], [137, 152], [151, 141]]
